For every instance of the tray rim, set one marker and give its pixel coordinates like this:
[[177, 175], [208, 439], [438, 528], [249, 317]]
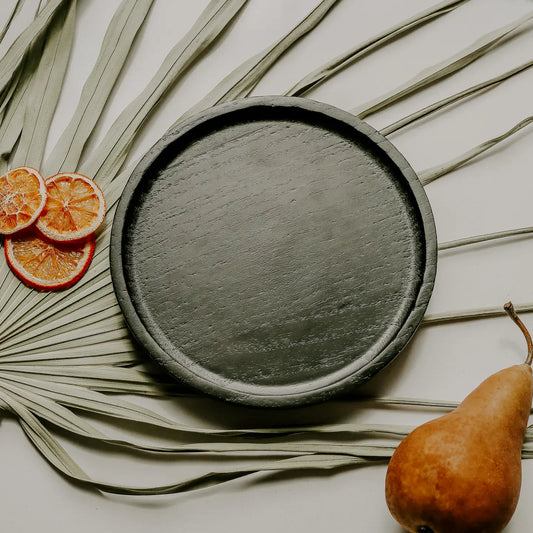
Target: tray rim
[[312, 395]]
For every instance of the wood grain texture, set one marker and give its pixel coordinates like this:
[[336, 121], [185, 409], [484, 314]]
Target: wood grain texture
[[273, 251]]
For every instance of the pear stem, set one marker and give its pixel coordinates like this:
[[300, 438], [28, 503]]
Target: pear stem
[[510, 310]]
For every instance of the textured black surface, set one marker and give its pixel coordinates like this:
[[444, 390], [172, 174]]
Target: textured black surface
[[273, 251]]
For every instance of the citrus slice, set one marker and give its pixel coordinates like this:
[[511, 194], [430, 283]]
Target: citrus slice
[[75, 207], [46, 265], [22, 198]]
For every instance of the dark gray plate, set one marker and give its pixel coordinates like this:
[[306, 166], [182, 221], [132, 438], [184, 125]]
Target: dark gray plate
[[273, 251]]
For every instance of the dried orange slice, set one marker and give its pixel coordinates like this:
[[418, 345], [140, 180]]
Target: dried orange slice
[[22, 198], [46, 265], [75, 207]]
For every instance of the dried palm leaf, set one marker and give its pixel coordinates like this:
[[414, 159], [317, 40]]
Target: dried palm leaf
[[445, 68], [339, 63]]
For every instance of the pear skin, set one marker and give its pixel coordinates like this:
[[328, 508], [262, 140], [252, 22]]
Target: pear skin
[[461, 473]]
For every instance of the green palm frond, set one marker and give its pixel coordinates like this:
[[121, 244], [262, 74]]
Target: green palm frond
[[444, 68]]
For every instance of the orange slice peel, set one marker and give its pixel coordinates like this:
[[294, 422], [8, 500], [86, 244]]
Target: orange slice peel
[[46, 265], [75, 207], [22, 199]]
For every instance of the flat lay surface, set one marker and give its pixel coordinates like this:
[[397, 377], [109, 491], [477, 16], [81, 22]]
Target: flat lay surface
[[443, 362]]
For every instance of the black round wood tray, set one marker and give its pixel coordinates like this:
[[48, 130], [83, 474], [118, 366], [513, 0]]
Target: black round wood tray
[[273, 251]]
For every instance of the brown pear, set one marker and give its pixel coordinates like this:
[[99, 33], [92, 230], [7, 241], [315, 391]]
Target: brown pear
[[461, 473]]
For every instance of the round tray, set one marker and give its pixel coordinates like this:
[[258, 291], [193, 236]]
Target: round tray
[[273, 251]]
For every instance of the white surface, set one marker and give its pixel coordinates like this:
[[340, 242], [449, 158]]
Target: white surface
[[442, 362]]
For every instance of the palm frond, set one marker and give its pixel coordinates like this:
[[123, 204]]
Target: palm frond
[[450, 100], [431, 174], [335, 65], [115, 49], [445, 68], [107, 159], [14, 56], [241, 82], [14, 12], [45, 87]]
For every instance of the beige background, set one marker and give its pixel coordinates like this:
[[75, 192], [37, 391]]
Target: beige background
[[443, 362]]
